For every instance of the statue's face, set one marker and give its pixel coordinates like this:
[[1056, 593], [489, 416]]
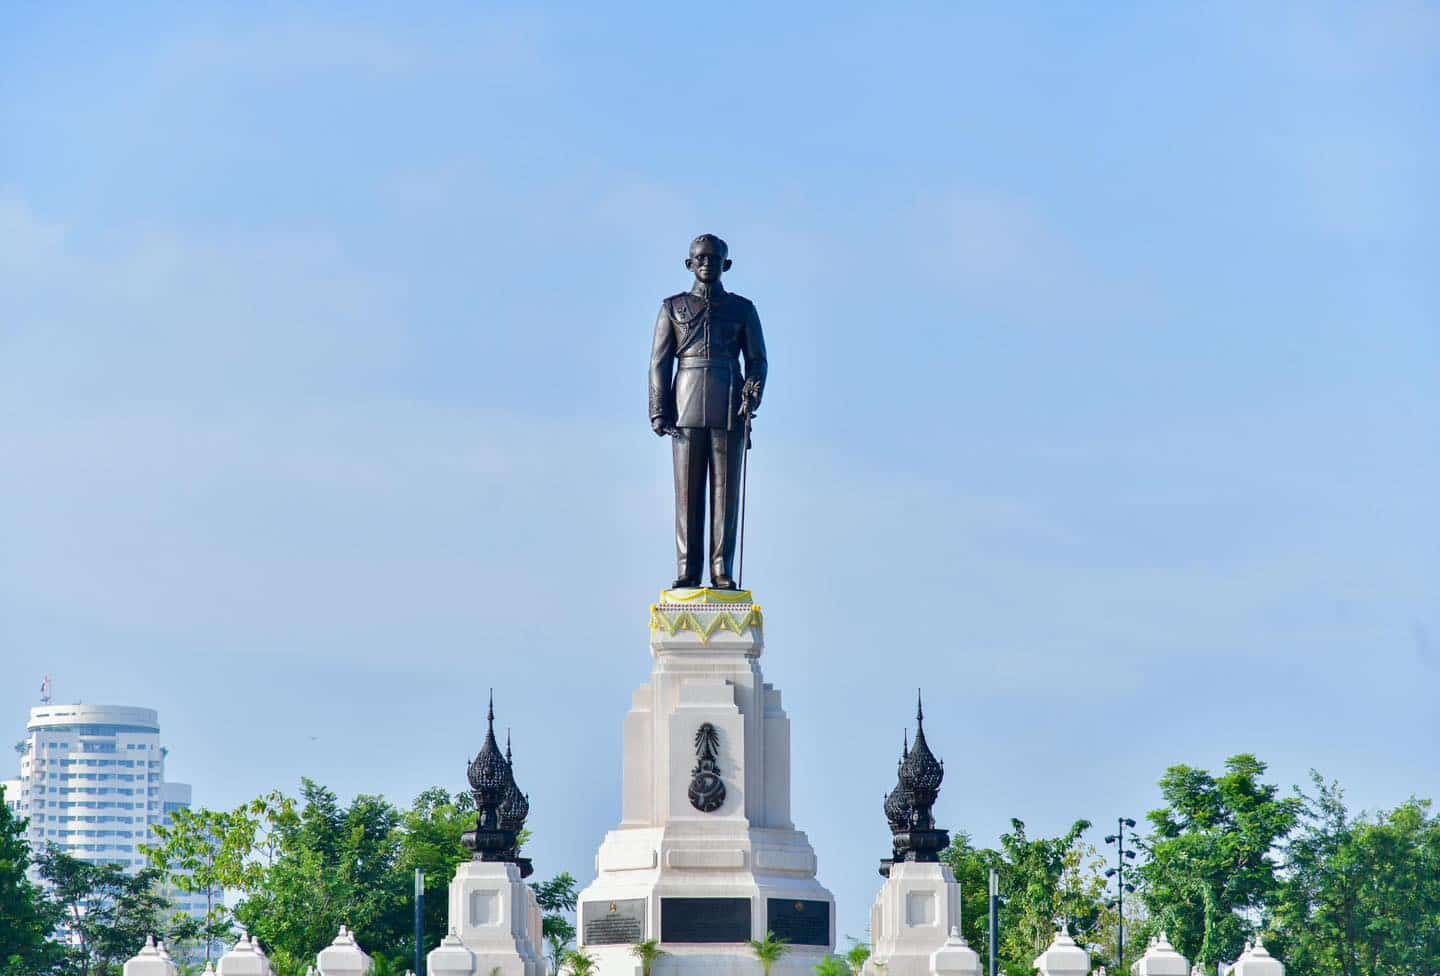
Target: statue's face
[[708, 262]]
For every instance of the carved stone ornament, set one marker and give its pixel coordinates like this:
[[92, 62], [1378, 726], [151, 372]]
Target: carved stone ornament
[[707, 790]]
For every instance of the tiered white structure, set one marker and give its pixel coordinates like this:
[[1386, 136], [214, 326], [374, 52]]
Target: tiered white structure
[[494, 925], [916, 911], [700, 867]]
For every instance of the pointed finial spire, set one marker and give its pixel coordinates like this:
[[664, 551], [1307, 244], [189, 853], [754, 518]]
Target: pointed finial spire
[[905, 745], [490, 711], [507, 745], [919, 708]]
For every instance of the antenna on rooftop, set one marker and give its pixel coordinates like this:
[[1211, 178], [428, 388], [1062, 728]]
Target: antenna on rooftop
[[45, 691]]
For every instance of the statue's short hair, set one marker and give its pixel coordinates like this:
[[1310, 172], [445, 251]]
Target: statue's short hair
[[714, 241]]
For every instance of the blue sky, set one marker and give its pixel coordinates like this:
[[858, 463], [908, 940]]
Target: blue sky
[[1103, 397]]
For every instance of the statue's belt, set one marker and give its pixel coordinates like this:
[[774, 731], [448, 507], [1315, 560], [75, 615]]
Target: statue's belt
[[705, 362]]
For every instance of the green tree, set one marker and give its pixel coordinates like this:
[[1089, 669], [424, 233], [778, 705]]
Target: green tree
[[1361, 895], [557, 897], [1211, 869], [28, 916], [649, 953], [430, 841], [323, 865], [1045, 880], [107, 911], [1042, 880], [972, 867], [204, 851], [769, 951]]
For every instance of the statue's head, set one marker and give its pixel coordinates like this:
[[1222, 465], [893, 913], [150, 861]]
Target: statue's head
[[709, 258]]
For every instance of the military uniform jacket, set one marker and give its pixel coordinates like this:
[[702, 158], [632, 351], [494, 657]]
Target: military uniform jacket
[[695, 373]]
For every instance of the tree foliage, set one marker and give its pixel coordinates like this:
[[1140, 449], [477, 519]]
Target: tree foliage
[[556, 899], [28, 916], [107, 911], [1361, 894], [305, 865], [1212, 866], [203, 851], [1042, 880]]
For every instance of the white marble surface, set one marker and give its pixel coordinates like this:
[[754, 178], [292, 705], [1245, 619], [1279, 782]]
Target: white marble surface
[[494, 915], [912, 917], [664, 847]]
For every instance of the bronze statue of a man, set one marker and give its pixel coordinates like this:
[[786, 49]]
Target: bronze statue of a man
[[700, 396]]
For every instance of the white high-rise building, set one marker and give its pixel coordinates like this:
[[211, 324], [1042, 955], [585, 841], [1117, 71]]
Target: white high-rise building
[[92, 783]]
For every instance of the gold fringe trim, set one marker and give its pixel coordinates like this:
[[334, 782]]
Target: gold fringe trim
[[705, 623]]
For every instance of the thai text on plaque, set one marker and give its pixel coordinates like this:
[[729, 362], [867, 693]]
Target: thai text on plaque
[[613, 922]]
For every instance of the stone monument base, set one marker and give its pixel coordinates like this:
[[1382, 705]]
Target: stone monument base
[[706, 856], [493, 916], [913, 915]]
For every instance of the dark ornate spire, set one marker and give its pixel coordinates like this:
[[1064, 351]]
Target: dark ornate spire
[[908, 808], [515, 806], [502, 807], [897, 803]]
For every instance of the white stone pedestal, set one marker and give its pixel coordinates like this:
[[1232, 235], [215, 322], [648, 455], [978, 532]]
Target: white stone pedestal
[[913, 915], [746, 854], [493, 914]]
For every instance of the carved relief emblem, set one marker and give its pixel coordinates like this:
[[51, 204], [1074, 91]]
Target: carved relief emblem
[[707, 790]]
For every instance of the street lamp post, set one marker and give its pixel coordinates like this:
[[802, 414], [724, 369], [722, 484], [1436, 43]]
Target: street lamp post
[[994, 922], [419, 922], [1118, 873]]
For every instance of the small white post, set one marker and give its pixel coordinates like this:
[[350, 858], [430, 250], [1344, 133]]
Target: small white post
[[955, 957], [450, 958], [1063, 958], [244, 959], [1161, 959], [343, 957], [1255, 961], [149, 961]]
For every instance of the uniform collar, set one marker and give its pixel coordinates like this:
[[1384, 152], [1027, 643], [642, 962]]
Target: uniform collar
[[712, 293]]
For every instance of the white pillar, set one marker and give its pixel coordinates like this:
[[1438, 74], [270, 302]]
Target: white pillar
[[149, 961], [915, 909], [1161, 959], [343, 957], [494, 913], [1063, 958], [244, 960], [451, 958], [955, 957], [1256, 961]]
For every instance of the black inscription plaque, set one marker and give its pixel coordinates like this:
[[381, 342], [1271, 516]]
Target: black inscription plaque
[[613, 922], [704, 919], [799, 922]]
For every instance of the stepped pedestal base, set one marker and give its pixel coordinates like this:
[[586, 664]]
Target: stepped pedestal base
[[913, 915], [705, 875], [494, 916]]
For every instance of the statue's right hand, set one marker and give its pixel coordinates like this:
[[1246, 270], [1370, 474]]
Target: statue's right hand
[[657, 424]]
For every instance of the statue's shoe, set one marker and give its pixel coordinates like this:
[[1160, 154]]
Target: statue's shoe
[[722, 583], [686, 583]]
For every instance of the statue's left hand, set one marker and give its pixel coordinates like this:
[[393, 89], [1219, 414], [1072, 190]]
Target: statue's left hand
[[750, 398]]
